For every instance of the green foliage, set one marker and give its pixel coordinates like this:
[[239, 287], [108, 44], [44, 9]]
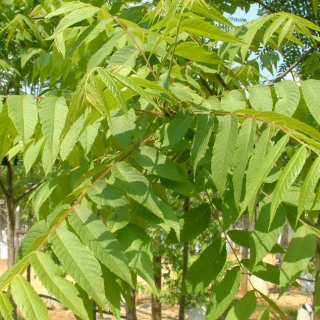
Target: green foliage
[[195, 222], [135, 106], [27, 299], [224, 293], [222, 153], [6, 306], [243, 308], [138, 250], [51, 277], [201, 139], [207, 267], [254, 184], [101, 241], [88, 274], [287, 177]]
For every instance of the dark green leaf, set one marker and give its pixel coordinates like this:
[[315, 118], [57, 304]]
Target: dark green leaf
[[176, 130], [223, 293], [206, 268], [201, 139], [136, 186], [156, 162], [240, 237], [138, 249], [243, 308], [194, 222]]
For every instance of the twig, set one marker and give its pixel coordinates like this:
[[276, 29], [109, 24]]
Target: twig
[[206, 85], [25, 193], [277, 79], [224, 85], [38, 18], [265, 6], [3, 188], [153, 113]]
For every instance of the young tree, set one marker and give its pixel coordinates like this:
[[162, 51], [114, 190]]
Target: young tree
[[141, 100]]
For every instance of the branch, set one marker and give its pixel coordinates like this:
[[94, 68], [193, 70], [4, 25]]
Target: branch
[[25, 193], [265, 6], [38, 18], [277, 79], [206, 85], [3, 188], [153, 113], [224, 85]]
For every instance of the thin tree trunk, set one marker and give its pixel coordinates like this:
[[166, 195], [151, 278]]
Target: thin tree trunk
[[155, 301], [284, 239], [94, 307], [182, 301], [185, 258], [11, 214], [156, 307], [10, 217], [10, 224], [317, 314], [244, 255], [17, 229], [131, 312]]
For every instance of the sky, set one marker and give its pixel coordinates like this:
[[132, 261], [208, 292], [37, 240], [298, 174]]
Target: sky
[[250, 15]]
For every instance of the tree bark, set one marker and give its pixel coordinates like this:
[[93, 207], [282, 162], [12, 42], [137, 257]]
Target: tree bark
[[182, 301], [284, 238], [185, 258], [155, 301], [11, 213], [10, 223], [17, 229], [244, 255], [131, 312], [156, 307]]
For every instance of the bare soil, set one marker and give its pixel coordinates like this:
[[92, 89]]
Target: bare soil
[[290, 300]]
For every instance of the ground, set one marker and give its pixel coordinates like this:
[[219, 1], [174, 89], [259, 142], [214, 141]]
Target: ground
[[290, 301]]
